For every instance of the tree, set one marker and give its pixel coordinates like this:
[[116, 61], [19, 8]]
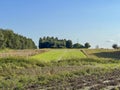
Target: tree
[[77, 45], [1, 40], [9, 39], [87, 45], [68, 44], [51, 42], [115, 46], [40, 43]]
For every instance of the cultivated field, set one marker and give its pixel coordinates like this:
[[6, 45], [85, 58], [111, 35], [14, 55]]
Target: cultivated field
[[103, 53], [19, 53], [60, 69], [59, 54]]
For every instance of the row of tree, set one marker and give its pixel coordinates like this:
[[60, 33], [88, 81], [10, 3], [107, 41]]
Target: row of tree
[[54, 42], [9, 39]]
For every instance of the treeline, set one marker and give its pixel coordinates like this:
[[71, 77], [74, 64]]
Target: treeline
[[9, 39], [54, 42]]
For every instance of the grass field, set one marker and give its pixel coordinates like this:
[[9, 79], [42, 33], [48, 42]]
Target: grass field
[[6, 53], [61, 69], [59, 54], [103, 53]]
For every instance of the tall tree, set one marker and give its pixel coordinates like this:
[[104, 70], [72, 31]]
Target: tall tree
[[9, 39], [1, 40], [115, 46], [87, 45], [68, 44], [51, 42], [77, 45]]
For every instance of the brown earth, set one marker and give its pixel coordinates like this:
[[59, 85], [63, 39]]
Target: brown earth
[[107, 81]]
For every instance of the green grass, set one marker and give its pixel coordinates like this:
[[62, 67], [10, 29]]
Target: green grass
[[60, 65], [20, 73], [49, 56], [103, 53], [4, 50], [59, 54], [73, 54]]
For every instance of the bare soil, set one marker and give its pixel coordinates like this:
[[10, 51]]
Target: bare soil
[[107, 81]]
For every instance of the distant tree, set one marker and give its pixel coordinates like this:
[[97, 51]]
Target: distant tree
[[115, 46], [77, 45], [56, 38], [54, 42], [68, 44], [1, 40], [87, 45], [9, 39], [40, 43], [51, 42]]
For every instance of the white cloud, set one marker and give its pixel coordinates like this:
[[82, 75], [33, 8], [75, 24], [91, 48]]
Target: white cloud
[[111, 41]]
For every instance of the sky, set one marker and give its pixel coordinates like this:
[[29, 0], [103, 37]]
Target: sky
[[93, 21]]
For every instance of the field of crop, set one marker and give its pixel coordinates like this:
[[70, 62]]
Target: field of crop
[[19, 53], [61, 69], [59, 54], [103, 53]]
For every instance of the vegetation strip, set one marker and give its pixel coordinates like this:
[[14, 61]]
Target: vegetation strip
[[59, 54]]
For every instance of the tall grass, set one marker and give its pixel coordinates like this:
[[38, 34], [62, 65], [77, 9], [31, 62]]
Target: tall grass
[[21, 73], [18, 73]]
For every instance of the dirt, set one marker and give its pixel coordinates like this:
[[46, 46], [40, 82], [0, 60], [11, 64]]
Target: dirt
[[107, 81]]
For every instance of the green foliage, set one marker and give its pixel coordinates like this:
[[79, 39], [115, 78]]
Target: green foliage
[[68, 44], [9, 39], [51, 42], [2, 41], [115, 46], [77, 45], [87, 45]]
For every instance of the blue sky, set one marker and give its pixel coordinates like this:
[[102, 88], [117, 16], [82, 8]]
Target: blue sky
[[93, 21]]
